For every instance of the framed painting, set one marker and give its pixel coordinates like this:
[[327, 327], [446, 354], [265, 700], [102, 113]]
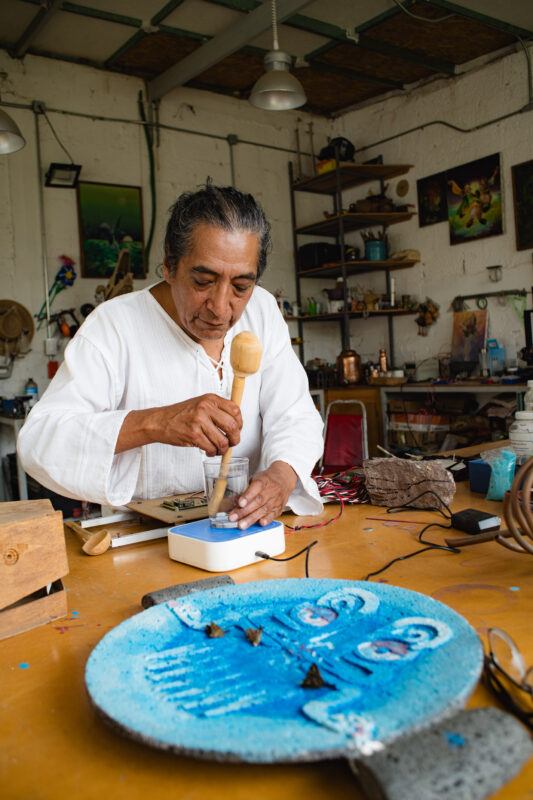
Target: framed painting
[[110, 220], [475, 200], [523, 204], [468, 335], [432, 199]]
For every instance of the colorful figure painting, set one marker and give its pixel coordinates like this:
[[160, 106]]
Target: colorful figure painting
[[523, 204], [339, 668], [432, 199], [110, 220], [469, 334], [475, 200]]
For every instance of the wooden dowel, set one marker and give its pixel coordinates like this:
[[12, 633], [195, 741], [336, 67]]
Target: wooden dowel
[[245, 360]]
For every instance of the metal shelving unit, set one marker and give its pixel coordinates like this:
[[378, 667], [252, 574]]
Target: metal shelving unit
[[336, 226]]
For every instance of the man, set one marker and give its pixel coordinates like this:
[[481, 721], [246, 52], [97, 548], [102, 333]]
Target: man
[[141, 397]]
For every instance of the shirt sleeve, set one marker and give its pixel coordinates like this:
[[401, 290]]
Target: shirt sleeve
[[292, 427], [68, 441]]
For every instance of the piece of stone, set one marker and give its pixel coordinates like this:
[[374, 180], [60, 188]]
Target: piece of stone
[[396, 482], [469, 756]]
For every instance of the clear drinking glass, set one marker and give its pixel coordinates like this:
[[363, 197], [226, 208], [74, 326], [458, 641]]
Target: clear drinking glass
[[236, 484]]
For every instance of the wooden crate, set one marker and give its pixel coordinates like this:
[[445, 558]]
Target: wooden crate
[[32, 557]]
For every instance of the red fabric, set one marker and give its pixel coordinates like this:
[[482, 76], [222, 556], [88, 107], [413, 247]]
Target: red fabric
[[344, 442]]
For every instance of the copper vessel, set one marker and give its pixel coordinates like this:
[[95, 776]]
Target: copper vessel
[[348, 367]]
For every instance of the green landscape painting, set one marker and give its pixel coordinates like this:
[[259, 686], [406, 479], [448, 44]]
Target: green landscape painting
[[110, 220]]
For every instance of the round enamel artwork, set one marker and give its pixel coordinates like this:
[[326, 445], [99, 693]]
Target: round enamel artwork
[[284, 670]]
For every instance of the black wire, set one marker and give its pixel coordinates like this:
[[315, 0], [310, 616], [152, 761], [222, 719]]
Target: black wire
[[409, 505], [434, 544], [417, 16], [394, 560], [429, 545], [305, 550], [148, 135], [58, 140]]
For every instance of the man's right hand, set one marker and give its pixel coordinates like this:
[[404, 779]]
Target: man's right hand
[[209, 422]]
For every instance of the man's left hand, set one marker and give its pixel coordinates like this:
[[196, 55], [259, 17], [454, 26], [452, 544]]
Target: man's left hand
[[266, 496]]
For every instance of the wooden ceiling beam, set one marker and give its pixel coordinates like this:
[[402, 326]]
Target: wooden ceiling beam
[[224, 44]]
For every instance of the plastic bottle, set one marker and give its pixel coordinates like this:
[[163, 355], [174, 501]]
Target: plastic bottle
[[521, 436], [31, 390], [528, 397], [383, 367]]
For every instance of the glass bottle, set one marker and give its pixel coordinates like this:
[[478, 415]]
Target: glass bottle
[[383, 367]]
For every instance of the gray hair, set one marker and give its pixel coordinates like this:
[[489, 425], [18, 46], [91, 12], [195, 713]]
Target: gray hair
[[221, 206]]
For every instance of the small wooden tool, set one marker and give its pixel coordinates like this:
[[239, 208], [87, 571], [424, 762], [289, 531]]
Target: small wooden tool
[[97, 543], [245, 358]]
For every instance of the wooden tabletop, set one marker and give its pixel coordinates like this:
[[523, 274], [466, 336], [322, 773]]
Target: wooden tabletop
[[53, 745]]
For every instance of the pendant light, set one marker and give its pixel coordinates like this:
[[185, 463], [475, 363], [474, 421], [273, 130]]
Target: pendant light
[[277, 89], [11, 138]]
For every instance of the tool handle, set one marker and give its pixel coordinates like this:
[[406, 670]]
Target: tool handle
[[476, 538], [237, 390]]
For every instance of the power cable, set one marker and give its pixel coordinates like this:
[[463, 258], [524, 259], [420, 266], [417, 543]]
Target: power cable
[[422, 19], [58, 140], [305, 550]]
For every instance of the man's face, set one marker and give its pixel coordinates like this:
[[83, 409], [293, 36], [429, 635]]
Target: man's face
[[214, 281]]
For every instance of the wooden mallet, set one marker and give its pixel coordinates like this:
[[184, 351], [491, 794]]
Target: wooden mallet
[[245, 358]]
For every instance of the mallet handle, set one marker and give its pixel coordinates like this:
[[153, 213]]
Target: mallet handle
[[237, 390]]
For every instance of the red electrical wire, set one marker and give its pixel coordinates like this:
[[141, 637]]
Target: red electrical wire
[[343, 487]]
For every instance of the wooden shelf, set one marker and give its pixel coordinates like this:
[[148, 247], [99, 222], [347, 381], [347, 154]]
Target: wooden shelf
[[393, 312], [349, 175], [358, 267], [353, 222]]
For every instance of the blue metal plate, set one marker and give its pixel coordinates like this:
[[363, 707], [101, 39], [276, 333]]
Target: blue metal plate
[[392, 661]]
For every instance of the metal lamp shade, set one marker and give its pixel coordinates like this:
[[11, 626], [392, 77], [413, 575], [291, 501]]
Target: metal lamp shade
[[277, 89], [11, 138]]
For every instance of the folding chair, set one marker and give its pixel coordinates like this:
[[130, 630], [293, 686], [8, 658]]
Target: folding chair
[[345, 438]]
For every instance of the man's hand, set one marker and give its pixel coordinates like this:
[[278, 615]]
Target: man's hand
[[209, 422], [266, 496]]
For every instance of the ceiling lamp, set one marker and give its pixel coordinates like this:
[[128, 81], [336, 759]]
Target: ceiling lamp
[[277, 89], [11, 138]]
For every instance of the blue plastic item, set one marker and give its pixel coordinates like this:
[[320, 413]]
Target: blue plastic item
[[375, 250], [502, 463], [479, 475], [495, 357]]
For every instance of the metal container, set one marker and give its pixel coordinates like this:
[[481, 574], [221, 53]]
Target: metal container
[[349, 367]]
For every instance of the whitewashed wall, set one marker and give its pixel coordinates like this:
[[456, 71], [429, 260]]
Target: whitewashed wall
[[445, 271], [115, 152]]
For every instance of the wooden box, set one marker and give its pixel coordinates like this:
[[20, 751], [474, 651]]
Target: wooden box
[[33, 560]]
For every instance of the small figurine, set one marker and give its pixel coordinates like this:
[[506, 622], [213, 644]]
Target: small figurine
[[214, 631], [254, 635], [313, 679]]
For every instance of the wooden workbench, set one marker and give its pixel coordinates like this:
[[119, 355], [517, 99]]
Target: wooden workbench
[[53, 745]]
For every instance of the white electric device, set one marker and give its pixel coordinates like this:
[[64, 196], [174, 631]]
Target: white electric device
[[222, 549]]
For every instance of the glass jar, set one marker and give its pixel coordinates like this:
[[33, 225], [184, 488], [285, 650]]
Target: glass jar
[[521, 435]]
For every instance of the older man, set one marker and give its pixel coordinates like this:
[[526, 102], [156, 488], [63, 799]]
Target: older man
[[142, 395]]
